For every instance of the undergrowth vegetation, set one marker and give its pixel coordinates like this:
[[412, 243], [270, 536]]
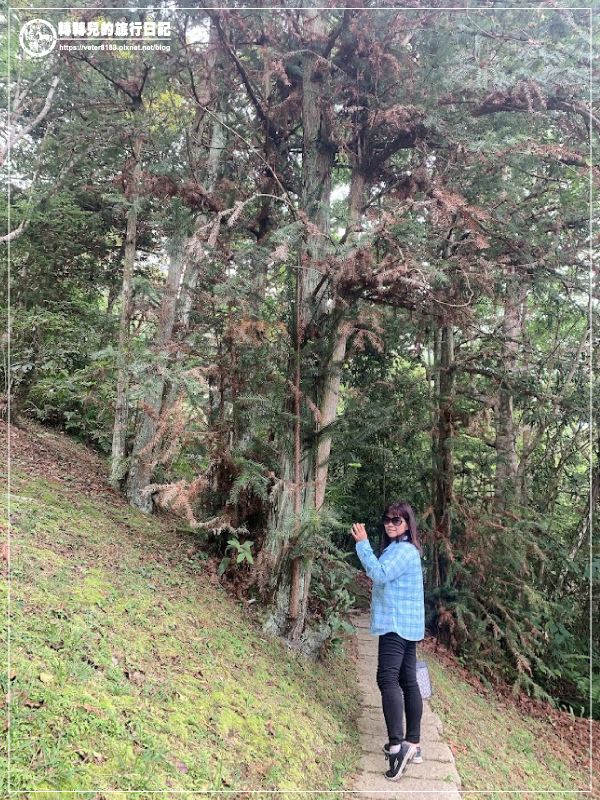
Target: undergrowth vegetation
[[130, 670]]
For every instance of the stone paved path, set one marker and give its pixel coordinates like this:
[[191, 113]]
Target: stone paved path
[[435, 779]]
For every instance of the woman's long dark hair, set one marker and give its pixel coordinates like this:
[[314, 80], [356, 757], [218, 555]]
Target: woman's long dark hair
[[405, 511]]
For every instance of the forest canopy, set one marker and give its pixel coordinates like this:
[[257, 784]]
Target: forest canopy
[[292, 264]]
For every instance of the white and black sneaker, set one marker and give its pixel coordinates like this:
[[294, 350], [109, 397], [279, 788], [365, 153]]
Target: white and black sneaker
[[400, 761], [417, 758]]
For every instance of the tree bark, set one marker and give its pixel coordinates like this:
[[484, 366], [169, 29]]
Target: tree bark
[[143, 456], [185, 263], [333, 373], [507, 482], [586, 524], [297, 487], [119, 441], [443, 452]]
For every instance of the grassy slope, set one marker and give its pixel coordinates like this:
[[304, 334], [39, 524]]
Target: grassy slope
[[132, 672], [502, 743]]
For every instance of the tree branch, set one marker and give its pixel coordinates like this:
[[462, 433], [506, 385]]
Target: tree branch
[[56, 186], [14, 138], [241, 71]]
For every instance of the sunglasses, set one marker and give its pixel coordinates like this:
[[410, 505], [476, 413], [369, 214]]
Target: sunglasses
[[393, 520]]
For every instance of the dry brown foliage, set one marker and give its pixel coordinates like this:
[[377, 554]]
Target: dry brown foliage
[[171, 426], [179, 497]]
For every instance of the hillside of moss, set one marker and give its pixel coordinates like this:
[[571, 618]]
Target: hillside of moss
[[133, 671], [130, 670], [510, 743]]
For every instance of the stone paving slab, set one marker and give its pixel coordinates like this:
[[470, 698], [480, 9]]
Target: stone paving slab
[[372, 728], [379, 788], [435, 779], [372, 700]]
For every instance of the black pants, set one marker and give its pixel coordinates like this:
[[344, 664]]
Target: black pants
[[397, 681]]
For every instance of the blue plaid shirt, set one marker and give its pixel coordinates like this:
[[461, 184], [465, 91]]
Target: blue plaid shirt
[[397, 601]]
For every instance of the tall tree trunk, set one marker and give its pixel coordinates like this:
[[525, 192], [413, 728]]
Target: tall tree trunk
[[143, 456], [184, 267], [506, 482], [328, 413], [119, 440], [297, 487], [339, 341], [443, 454], [585, 526]]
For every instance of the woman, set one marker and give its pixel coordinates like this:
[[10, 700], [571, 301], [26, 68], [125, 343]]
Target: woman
[[398, 618]]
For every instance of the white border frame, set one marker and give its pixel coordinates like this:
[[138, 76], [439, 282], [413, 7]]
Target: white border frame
[[590, 9]]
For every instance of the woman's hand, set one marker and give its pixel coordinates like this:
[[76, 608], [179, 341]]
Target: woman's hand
[[358, 532]]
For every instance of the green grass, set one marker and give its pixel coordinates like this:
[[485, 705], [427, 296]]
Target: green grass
[[130, 671], [498, 749]]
